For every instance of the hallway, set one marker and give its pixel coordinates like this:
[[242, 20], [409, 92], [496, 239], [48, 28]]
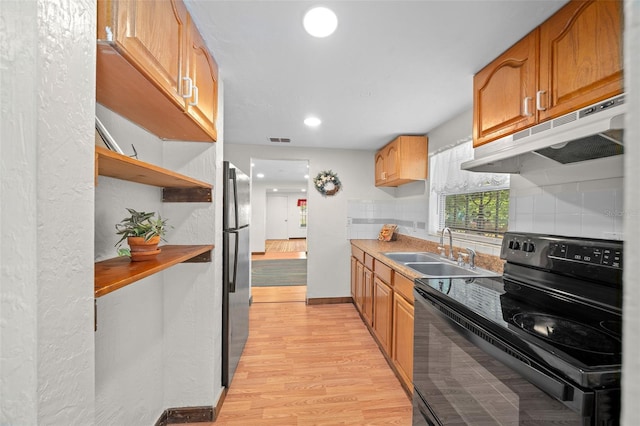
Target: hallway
[[281, 249]]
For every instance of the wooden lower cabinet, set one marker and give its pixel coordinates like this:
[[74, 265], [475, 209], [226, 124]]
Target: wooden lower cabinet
[[384, 298], [382, 313], [354, 275], [402, 335], [367, 297], [359, 285]]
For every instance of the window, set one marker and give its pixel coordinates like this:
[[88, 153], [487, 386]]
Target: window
[[302, 206], [485, 212], [466, 202]]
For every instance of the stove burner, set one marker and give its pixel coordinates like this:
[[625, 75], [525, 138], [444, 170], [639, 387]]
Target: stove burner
[[567, 333]]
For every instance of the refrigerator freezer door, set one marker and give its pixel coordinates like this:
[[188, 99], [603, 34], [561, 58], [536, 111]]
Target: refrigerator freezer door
[[236, 198], [236, 270]]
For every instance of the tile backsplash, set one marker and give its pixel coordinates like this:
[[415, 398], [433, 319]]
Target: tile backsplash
[[592, 209], [366, 217]]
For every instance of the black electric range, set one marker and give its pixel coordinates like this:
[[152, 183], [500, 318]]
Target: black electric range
[[555, 317]]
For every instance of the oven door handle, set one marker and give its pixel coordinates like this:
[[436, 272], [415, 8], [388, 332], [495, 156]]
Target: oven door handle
[[472, 332]]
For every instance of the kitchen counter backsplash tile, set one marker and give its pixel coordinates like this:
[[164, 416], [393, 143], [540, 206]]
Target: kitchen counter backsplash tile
[[366, 217], [406, 243]]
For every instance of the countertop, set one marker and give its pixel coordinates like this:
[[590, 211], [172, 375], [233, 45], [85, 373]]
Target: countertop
[[375, 248]]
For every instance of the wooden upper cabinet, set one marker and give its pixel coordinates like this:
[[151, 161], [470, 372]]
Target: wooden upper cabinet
[[202, 71], [401, 161], [151, 35], [144, 53], [580, 56], [572, 60], [504, 91]]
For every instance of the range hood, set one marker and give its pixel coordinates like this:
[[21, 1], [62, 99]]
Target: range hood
[[592, 132]]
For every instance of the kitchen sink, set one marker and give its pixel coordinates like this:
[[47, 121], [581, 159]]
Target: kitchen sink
[[404, 257], [447, 270], [430, 265]]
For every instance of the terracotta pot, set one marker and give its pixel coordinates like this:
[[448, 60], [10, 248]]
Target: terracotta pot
[[143, 250]]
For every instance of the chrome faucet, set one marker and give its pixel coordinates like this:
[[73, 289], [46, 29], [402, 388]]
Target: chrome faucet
[[472, 258], [442, 252]]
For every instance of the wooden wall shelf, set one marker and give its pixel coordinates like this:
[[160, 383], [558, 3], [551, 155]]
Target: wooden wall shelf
[[113, 274], [112, 164]]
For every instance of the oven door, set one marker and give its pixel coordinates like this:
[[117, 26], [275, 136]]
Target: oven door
[[458, 383]]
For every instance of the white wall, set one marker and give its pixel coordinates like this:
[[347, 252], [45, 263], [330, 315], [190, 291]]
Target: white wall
[[158, 339], [327, 240], [258, 215], [47, 69], [631, 214]]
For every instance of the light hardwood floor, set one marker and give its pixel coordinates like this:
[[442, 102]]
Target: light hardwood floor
[[312, 365], [292, 245], [294, 293]]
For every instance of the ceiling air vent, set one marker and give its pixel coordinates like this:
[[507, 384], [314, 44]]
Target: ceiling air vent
[[280, 140]]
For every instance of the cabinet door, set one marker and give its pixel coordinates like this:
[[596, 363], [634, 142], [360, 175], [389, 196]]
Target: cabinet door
[[380, 171], [367, 296], [152, 35], [359, 285], [402, 332], [504, 92], [392, 160], [580, 56], [382, 311], [354, 274], [202, 105]]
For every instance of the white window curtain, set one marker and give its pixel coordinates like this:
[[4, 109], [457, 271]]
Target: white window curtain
[[445, 177]]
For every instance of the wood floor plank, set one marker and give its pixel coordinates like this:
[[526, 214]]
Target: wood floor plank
[[314, 365], [293, 293]]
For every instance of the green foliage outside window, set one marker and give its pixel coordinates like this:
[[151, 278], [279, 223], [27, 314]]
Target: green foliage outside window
[[485, 213]]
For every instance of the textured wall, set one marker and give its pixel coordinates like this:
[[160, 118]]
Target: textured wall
[[48, 86], [158, 339], [631, 321]]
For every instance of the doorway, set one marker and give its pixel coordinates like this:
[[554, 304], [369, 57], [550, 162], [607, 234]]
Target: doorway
[[279, 230]]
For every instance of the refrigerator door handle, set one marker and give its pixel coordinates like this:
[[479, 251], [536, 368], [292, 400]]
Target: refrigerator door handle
[[234, 180], [234, 274]]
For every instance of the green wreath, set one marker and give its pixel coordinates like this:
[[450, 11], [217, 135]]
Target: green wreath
[[327, 182]]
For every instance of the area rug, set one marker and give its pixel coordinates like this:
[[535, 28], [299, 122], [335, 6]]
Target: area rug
[[281, 272]]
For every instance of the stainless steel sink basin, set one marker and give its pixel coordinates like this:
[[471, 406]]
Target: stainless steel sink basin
[[447, 270], [430, 265], [404, 257]]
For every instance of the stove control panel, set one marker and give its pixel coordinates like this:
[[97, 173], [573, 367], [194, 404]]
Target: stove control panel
[[606, 256], [547, 251]]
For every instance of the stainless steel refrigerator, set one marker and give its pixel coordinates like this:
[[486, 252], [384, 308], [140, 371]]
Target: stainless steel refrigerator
[[236, 270]]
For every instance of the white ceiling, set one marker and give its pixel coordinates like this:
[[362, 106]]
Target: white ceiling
[[392, 67], [283, 175]]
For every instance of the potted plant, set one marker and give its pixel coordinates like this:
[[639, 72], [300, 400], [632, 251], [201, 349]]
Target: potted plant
[[143, 232]]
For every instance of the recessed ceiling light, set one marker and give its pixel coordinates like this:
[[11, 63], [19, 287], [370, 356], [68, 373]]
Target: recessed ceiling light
[[312, 121], [303, 190], [260, 175], [275, 189], [306, 176], [320, 22]]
